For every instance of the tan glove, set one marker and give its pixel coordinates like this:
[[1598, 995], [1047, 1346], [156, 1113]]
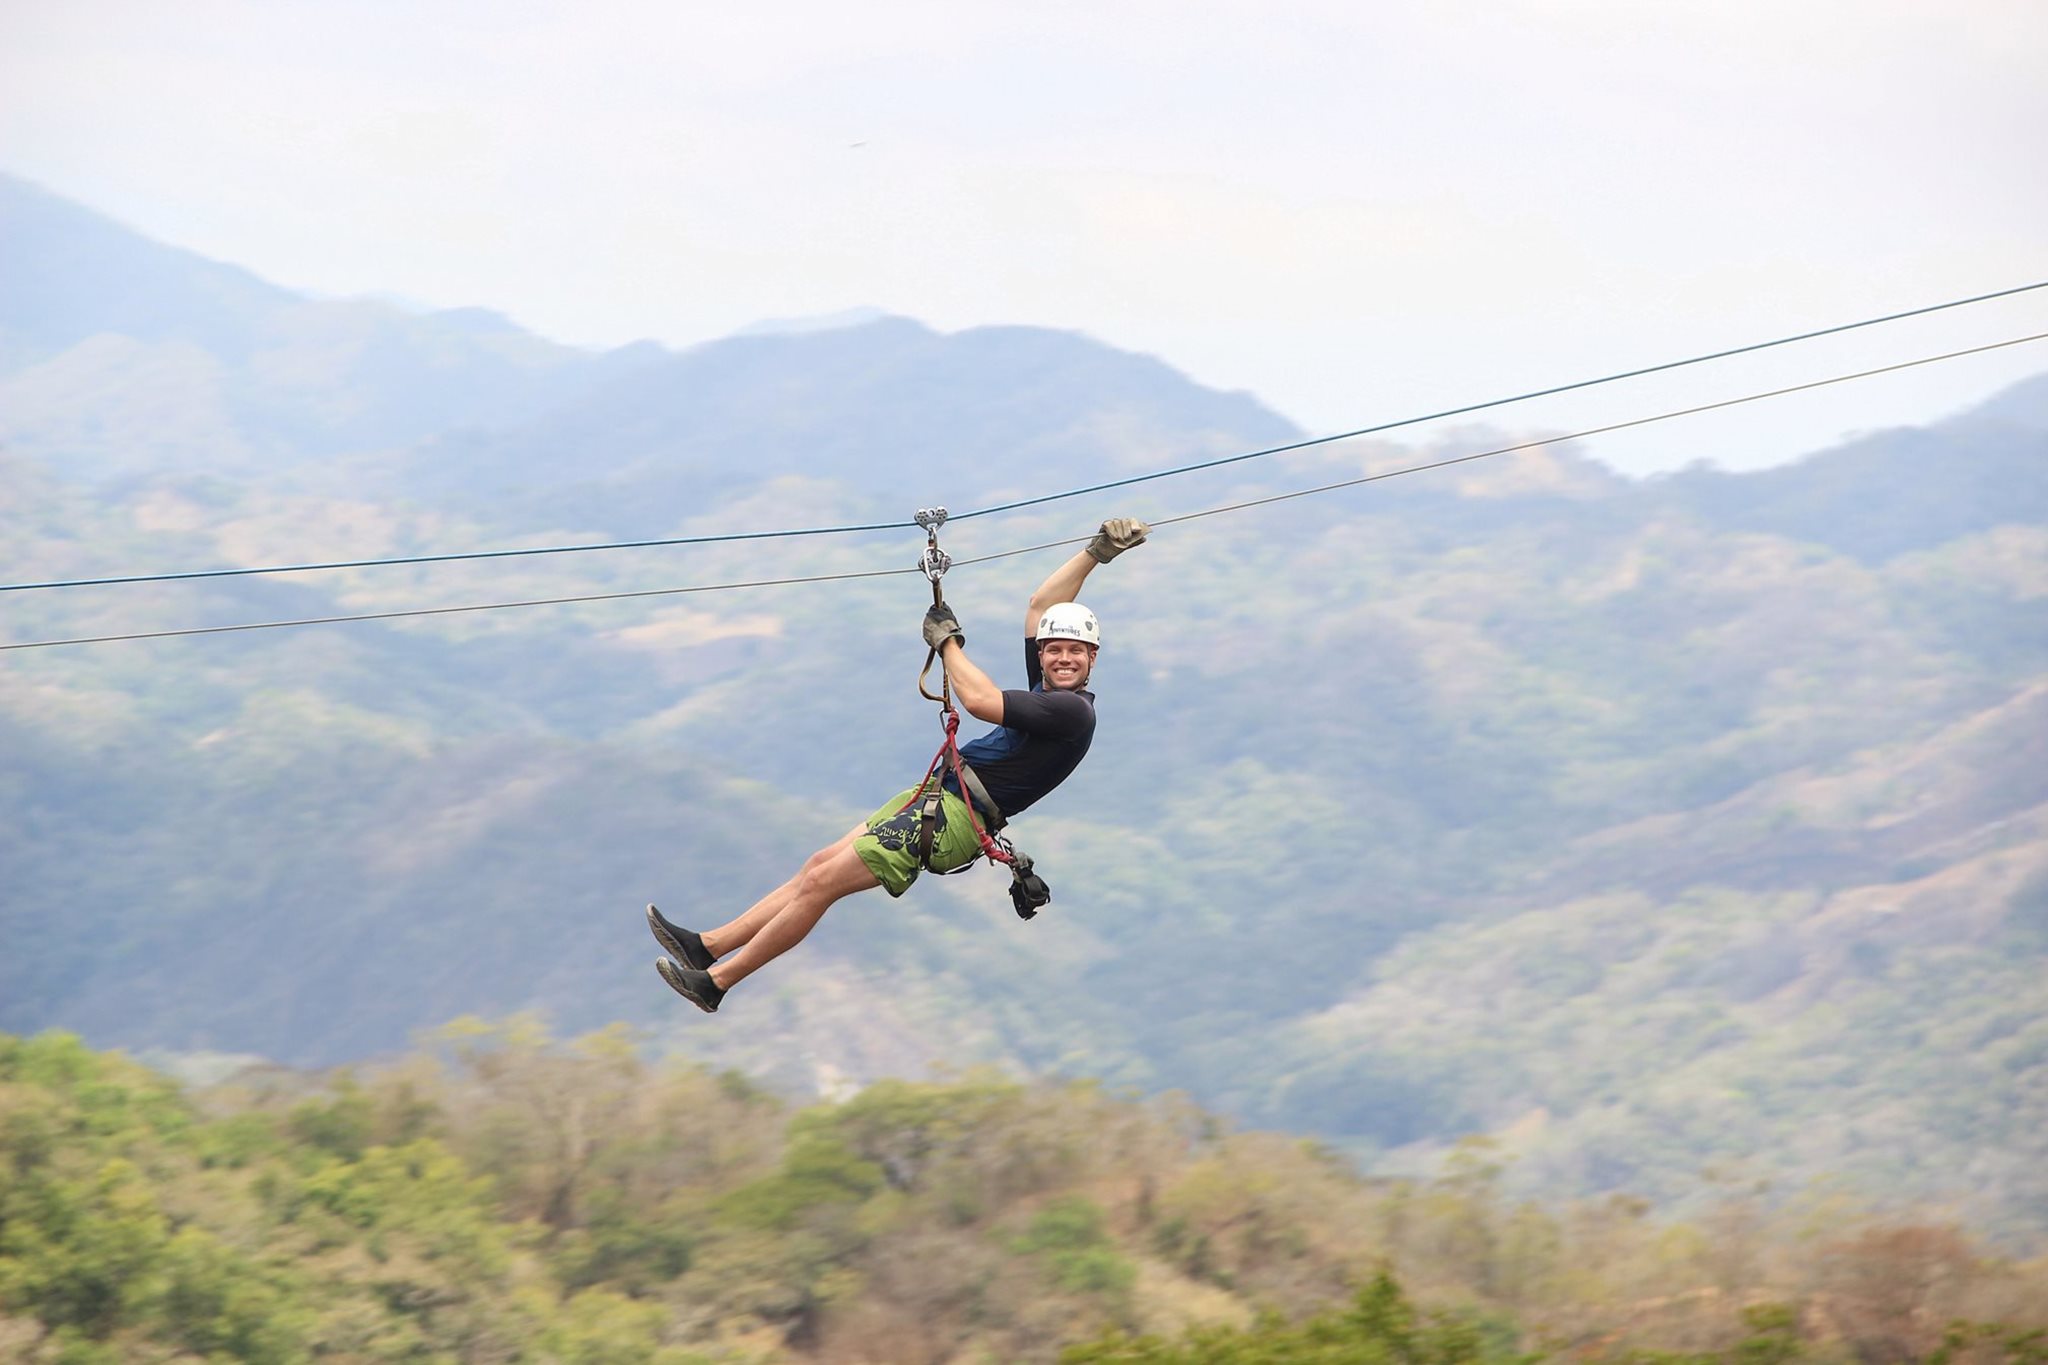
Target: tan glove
[[1117, 535], [940, 626]]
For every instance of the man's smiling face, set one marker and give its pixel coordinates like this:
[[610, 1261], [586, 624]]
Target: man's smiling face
[[1066, 663]]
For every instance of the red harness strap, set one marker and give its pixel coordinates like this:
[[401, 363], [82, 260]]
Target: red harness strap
[[949, 755]]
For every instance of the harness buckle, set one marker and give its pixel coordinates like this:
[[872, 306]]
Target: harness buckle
[[927, 827]]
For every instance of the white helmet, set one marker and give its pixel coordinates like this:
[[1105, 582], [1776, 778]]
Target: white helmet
[[1069, 621]]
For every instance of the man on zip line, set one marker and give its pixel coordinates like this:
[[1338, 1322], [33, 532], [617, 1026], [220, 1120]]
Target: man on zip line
[[1041, 736]]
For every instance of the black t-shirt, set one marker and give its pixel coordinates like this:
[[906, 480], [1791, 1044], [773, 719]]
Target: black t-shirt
[[1043, 737]]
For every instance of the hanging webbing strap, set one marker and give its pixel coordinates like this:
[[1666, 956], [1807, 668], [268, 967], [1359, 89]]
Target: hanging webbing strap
[[934, 565]]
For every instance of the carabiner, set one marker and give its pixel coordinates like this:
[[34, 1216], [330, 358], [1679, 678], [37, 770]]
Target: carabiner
[[935, 561]]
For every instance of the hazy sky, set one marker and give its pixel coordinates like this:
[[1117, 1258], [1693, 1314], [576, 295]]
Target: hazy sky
[[1356, 211]]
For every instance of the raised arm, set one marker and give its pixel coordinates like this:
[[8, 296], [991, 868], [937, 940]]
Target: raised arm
[[1061, 585], [980, 695], [978, 692], [1064, 583]]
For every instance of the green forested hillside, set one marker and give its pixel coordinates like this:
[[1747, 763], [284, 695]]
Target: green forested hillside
[[493, 1197], [1654, 827]]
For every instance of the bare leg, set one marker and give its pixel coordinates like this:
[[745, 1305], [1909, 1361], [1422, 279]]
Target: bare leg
[[738, 933], [831, 874]]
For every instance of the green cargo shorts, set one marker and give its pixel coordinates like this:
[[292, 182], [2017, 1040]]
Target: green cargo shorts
[[889, 848]]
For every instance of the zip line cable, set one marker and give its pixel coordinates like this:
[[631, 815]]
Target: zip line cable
[[475, 606], [728, 537], [1502, 402], [1519, 446], [452, 558], [1594, 431], [1047, 545]]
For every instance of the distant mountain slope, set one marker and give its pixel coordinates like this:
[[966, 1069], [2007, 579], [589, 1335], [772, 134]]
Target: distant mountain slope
[[128, 358], [896, 415], [209, 368], [2024, 405], [69, 274], [1896, 491]]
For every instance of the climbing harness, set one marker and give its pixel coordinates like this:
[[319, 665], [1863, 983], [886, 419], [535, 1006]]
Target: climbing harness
[[1028, 891]]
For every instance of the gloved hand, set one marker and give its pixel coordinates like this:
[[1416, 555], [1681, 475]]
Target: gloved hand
[[941, 626], [1028, 891], [1117, 535]]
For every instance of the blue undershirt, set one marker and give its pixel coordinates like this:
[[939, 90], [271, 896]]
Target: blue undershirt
[[1043, 737]]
